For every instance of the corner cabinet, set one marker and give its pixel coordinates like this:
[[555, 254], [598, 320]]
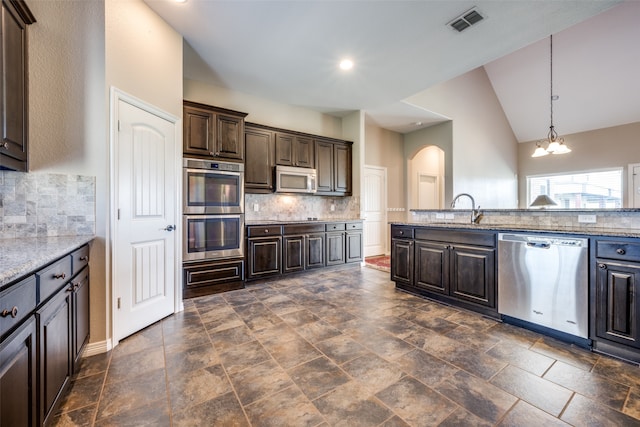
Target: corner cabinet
[[212, 132], [617, 302], [453, 266], [14, 105]]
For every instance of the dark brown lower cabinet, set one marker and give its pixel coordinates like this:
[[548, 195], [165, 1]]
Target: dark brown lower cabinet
[[457, 267], [18, 377], [80, 315], [302, 252], [264, 256], [617, 302], [353, 246], [54, 349], [210, 277], [335, 248]]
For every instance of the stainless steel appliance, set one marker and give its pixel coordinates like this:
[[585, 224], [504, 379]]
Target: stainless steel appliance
[[213, 210], [543, 280], [291, 179], [213, 236], [212, 187]]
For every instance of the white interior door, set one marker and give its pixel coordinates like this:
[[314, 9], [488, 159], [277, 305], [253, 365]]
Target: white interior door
[[634, 186], [428, 194], [375, 211], [144, 249]]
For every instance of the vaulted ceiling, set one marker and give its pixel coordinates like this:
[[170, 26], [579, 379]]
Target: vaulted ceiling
[[288, 51]]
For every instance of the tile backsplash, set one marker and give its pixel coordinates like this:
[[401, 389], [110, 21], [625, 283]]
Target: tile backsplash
[[298, 207], [43, 204]]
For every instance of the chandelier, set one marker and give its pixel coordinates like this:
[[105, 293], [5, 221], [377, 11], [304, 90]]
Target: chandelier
[[555, 144]]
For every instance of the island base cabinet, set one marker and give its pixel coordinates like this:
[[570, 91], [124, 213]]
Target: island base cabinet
[[432, 267], [54, 349], [402, 261], [473, 275], [18, 377], [617, 303]]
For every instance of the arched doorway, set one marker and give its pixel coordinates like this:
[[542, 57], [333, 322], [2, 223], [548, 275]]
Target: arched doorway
[[426, 172]]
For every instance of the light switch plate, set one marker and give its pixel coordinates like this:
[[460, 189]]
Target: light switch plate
[[449, 216], [591, 219], [256, 207], [439, 216]]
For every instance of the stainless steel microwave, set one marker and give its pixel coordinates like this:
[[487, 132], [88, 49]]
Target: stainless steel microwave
[[296, 180]]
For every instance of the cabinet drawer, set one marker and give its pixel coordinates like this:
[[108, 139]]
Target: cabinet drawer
[[52, 278], [17, 302], [340, 226], [476, 238], [626, 251], [400, 232], [303, 228], [79, 259], [264, 230], [354, 226]]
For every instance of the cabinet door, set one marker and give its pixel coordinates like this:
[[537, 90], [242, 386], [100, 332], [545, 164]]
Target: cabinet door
[[258, 176], [80, 322], [402, 261], [13, 89], [209, 277], [314, 251], [199, 131], [335, 248], [354, 246], [324, 166], [617, 303], [473, 275], [284, 149], [18, 377], [55, 338], [303, 152], [342, 168], [432, 266], [229, 137], [264, 257], [293, 255]]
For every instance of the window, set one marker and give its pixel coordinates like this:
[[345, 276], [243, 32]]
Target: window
[[582, 190]]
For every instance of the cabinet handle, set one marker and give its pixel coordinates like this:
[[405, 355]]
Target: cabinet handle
[[211, 153], [401, 232], [71, 288], [602, 266], [13, 313], [266, 230], [620, 251], [84, 258], [59, 276], [5, 145]]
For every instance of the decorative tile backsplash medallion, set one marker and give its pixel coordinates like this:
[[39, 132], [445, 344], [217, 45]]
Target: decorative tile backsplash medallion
[[299, 207], [43, 204]]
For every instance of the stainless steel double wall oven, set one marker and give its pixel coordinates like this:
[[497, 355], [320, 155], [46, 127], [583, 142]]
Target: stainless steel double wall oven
[[213, 210]]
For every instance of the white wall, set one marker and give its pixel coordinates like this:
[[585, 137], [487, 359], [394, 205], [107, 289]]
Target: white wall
[[67, 105], [484, 150], [430, 161]]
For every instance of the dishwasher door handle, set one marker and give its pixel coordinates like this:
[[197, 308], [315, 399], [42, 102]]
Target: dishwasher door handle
[[539, 245]]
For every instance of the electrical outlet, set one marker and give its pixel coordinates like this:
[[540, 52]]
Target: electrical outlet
[[439, 216], [332, 207], [449, 216], [591, 219], [256, 207]]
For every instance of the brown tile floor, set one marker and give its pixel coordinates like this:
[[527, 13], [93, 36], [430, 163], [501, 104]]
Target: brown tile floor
[[345, 348]]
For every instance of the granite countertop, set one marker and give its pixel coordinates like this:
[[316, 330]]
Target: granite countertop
[[299, 221], [588, 231], [21, 256]]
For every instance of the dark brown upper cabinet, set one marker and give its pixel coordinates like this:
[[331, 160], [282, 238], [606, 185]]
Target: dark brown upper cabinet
[[333, 167], [294, 150], [212, 132], [259, 160], [14, 105]]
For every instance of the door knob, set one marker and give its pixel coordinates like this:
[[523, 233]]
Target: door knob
[[170, 227]]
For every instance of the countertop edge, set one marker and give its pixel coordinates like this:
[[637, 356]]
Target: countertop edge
[[40, 252], [590, 231]]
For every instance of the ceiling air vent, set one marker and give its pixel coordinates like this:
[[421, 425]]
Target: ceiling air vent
[[466, 20]]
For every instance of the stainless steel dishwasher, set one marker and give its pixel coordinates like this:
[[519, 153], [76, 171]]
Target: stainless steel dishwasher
[[543, 280]]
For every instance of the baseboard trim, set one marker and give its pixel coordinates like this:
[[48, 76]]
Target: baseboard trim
[[99, 347]]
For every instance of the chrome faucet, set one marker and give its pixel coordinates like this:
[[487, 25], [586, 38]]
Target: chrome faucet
[[476, 215]]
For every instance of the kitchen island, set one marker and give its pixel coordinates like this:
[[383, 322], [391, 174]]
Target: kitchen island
[[458, 264]]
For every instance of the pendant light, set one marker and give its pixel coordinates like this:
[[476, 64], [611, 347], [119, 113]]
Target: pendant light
[[555, 143]]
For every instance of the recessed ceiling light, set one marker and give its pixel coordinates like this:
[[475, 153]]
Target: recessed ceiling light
[[346, 64], [180, 1]]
